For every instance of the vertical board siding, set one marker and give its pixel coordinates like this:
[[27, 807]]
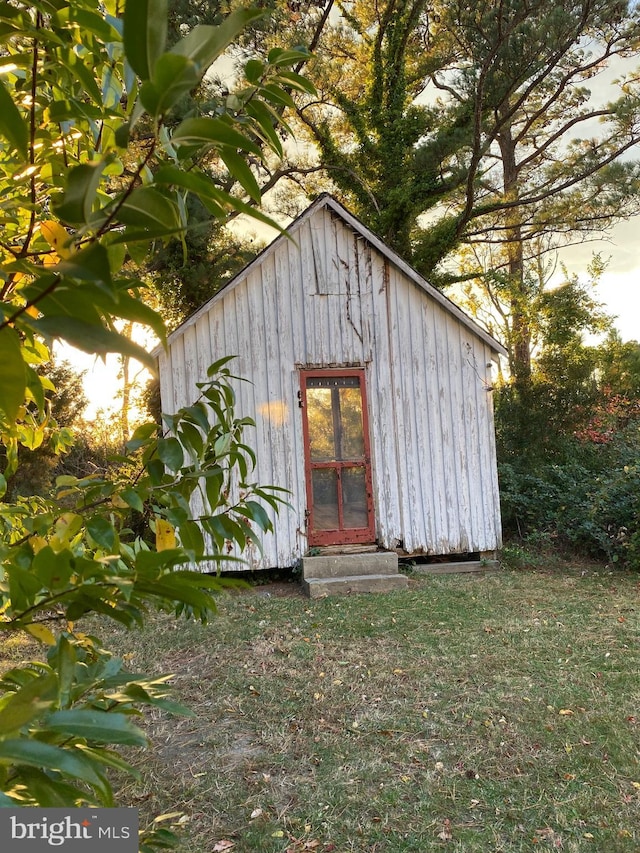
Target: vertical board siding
[[330, 298], [165, 374], [384, 445], [176, 356], [445, 482]]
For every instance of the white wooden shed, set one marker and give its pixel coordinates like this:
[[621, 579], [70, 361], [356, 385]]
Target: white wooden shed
[[370, 390]]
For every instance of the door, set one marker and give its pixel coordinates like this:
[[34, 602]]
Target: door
[[337, 457]]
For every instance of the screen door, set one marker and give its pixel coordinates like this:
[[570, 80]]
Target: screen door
[[338, 464]]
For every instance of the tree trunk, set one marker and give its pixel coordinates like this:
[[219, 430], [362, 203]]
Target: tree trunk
[[520, 349]]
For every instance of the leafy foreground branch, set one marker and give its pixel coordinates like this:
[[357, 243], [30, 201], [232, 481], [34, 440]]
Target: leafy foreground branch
[[97, 164], [76, 554]]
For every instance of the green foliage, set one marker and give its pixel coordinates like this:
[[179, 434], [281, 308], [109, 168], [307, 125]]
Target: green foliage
[[96, 171], [580, 488], [182, 283], [39, 458], [576, 508], [75, 554], [71, 281], [569, 439]]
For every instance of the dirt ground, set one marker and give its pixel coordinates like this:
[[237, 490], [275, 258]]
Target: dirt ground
[[278, 589]]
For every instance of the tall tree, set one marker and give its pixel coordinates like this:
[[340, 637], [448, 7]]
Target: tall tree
[[449, 124]]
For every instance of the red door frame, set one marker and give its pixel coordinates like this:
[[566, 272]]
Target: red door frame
[[342, 535]]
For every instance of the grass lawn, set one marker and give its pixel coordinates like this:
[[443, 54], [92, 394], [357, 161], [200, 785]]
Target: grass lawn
[[496, 712]]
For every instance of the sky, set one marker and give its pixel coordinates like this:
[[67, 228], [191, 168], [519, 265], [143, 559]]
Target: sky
[[619, 288]]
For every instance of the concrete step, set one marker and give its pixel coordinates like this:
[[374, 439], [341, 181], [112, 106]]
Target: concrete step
[[348, 565], [319, 587]]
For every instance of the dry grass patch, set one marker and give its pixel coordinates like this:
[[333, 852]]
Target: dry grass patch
[[475, 714]]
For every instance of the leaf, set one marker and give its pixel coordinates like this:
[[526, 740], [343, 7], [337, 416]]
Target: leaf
[[34, 753], [132, 499], [110, 758], [297, 81], [276, 95], [256, 512], [281, 56], [42, 633], [102, 532], [212, 131], [165, 535], [138, 694], [173, 77], [14, 374], [90, 264], [266, 122], [52, 569], [177, 590], [151, 212], [240, 171], [145, 34], [204, 44], [101, 726], [141, 436], [57, 237], [191, 438], [65, 662], [191, 539], [28, 702], [161, 818], [171, 453], [12, 126], [93, 23], [82, 186], [131, 308], [253, 70], [92, 338], [196, 182]]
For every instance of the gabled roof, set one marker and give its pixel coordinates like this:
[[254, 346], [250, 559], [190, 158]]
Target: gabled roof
[[328, 201]]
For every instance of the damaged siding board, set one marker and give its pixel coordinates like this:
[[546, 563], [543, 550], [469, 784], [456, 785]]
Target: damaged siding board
[[470, 382], [350, 307], [165, 373], [399, 317], [176, 354], [291, 276], [273, 406], [367, 315], [435, 488], [314, 293], [492, 528], [381, 402], [416, 392], [286, 414], [190, 361], [204, 357], [460, 534], [447, 450]]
